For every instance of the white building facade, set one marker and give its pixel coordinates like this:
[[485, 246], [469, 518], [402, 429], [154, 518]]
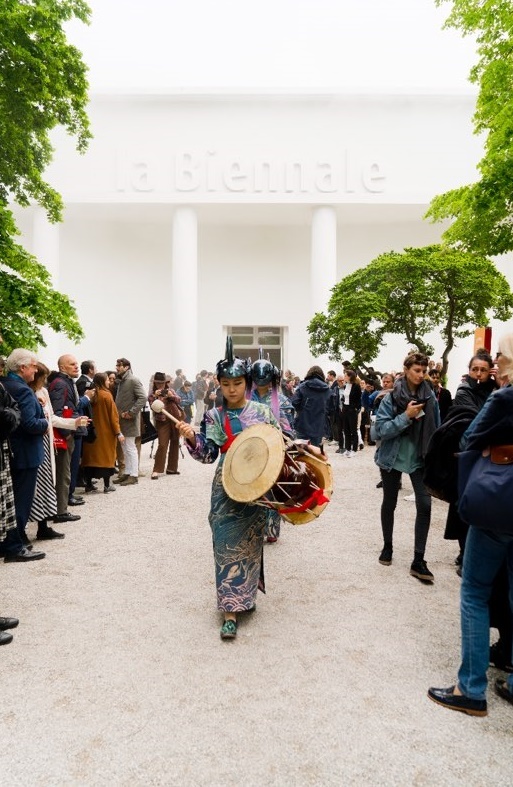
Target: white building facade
[[194, 216]]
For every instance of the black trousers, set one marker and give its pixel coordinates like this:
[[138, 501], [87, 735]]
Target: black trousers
[[350, 421]]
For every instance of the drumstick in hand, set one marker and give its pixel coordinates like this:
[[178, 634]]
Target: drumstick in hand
[[158, 407]]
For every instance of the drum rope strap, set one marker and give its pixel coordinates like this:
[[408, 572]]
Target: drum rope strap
[[230, 437], [317, 498]]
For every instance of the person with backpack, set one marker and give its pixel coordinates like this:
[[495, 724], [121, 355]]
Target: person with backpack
[[405, 420], [472, 393], [489, 545]]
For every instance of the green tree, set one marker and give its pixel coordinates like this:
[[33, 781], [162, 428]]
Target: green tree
[[411, 294], [482, 212], [42, 85]]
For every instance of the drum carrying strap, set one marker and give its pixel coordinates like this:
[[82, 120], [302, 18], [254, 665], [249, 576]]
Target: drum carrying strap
[[317, 498], [230, 437]]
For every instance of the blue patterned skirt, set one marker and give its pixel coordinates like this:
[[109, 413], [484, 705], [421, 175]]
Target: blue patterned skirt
[[238, 540]]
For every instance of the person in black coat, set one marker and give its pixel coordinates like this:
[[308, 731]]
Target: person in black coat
[[472, 393], [27, 452], [351, 406], [478, 384], [10, 417], [489, 547], [443, 396], [310, 401]]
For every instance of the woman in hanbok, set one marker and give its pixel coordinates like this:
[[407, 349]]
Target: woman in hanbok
[[266, 390], [237, 528]]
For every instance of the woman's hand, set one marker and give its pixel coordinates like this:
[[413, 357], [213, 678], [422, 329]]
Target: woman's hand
[[413, 410], [187, 432]]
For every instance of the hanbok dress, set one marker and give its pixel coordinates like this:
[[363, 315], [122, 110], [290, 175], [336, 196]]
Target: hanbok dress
[[286, 412], [237, 528]]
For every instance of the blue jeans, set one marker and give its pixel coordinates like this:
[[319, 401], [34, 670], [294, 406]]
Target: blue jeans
[[484, 554]]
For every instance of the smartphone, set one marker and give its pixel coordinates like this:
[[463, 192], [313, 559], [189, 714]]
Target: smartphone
[[419, 401]]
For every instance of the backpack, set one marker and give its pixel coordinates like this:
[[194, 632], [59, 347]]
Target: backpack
[[441, 461]]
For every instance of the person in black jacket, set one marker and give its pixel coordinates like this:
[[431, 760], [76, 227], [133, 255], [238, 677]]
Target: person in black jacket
[[26, 443], [10, 418], [478, 384], [310, 401], [443, 396], [472, 393], [351, 406], [489, 545]]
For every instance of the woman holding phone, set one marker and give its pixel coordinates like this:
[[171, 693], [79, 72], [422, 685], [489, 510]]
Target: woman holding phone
[[405, 421]]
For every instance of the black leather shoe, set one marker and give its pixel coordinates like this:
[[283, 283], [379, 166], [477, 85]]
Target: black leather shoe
[[76, 501], [48, 534], [5, 638], [25, 540], [449, 699], [8, 623], [23, 555], [67, 517], [502, 689], [499, 659]]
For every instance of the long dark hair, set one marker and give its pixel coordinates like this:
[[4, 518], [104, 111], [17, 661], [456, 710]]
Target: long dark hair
[[99, 381]]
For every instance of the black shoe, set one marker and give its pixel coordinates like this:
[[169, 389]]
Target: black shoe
[[498, 658], [27, 543], [449, 699], [459, 560], [48, 533], [8, 623], [420, 570], [459, 571], [66, 517], [502, 689], [23, 556], [379, 485], [5, 638], [76, 501], [386, 556]]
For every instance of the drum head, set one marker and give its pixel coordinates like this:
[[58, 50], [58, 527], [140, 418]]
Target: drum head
[[253, 463]]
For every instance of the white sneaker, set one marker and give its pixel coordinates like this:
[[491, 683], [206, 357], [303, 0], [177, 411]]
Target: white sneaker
[[410, 498], [350, 454]]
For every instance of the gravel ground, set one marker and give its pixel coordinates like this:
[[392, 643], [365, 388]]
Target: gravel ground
[[117, 675]]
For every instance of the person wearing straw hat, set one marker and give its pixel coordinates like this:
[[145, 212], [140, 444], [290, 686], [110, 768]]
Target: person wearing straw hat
[[237, 528]]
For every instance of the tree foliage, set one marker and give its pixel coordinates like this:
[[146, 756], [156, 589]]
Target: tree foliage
[[42, 85], [411, 294], [482, 212]]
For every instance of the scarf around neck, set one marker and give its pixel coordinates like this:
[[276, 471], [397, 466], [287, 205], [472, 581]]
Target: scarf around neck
[[420, 429]]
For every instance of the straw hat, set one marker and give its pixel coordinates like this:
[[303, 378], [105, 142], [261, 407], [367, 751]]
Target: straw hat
[[253, 463]]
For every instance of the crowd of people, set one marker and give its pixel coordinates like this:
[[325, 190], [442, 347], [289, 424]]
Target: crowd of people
[[75, 427]]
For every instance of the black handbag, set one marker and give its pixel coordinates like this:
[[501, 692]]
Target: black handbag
[[148, 431], [90, 435]]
